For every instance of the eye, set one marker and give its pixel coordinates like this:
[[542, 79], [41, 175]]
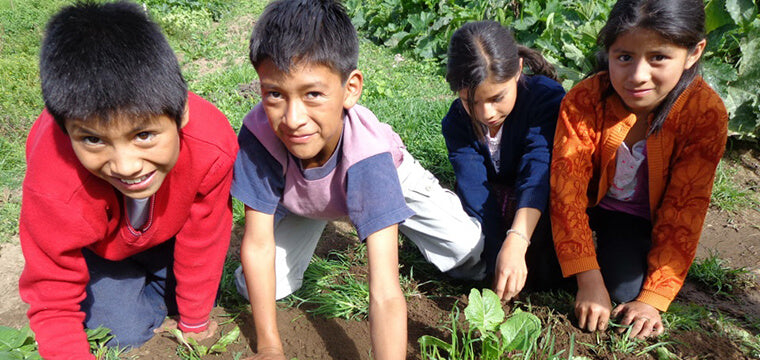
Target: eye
[[313, 94], [273, 95], [91, 140], [144, 136], [659, 57], [624, 58]]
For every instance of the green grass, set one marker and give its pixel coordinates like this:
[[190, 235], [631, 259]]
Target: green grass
[[715, 276], [726, 194]]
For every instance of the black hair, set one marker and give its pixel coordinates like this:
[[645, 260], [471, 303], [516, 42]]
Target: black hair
[[293, 32], [681, 22], [482, 49], [100, 61]]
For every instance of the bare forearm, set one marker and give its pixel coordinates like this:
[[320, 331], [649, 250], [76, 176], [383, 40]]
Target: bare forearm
[[258, 266], [525, 221], [387, 321]]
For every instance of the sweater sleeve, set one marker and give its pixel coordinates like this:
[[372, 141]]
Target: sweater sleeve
[[55, 275], [471, 172], [571, 171], [201, 247], [532, 183], [678, 220]]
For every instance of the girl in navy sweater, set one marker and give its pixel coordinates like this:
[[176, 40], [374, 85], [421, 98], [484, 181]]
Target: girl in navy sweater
[[499, 134]]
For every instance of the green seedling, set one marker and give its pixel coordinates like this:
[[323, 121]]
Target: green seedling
[[190, 349], [487, 327]]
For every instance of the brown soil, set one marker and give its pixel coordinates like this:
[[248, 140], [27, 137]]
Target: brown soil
[[735, 237]]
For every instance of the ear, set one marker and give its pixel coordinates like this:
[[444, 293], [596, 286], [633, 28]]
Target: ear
[[185, 115], [695, 54], [519, 73], [353, 89]]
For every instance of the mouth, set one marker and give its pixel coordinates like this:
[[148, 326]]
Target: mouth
[[299, 139], [638, 92], [138, 182]]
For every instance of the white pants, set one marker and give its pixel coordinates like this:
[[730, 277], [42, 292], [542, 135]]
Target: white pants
[[447, 237]]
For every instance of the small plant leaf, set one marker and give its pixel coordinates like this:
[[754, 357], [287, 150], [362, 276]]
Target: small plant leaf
[[221, 345], [431, 341], [484, 312], [520, 331]]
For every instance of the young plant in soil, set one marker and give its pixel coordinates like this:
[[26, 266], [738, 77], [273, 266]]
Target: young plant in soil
[[488, 335], [190, 349]]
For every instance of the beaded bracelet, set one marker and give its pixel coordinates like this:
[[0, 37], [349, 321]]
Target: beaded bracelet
[[519, 234]]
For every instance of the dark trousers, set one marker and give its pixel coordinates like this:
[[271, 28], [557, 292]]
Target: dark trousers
[[622, 245], [132, 296]]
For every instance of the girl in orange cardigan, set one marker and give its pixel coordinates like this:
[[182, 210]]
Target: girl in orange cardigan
[[635, 153]]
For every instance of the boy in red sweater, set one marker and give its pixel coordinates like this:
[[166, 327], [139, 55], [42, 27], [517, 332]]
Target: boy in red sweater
[[126, 213]]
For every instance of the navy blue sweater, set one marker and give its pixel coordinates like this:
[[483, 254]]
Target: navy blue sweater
[[526, 143]]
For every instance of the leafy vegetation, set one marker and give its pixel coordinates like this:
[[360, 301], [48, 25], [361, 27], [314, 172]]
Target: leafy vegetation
[[487, 335], [190, 349], [566, 30], [19, 344]]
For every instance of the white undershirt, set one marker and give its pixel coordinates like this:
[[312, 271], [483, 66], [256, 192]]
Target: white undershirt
[[137, 209], [494, 146]]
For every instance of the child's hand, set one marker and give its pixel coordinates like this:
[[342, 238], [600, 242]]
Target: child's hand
[[170, 324], [644, 318], [268, 354], [592, 303], [511, 270]]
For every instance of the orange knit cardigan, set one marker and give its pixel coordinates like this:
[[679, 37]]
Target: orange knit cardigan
[[682, 159]]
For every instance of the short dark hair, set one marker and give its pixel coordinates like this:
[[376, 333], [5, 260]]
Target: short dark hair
[[291, 32], [98, 61], [681, 22]]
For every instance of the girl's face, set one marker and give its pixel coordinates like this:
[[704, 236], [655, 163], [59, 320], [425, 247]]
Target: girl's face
[[493, 101], [644, 68]]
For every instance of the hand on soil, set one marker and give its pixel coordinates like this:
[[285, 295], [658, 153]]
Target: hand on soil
[[511, 270], [644, 318], [592, 303], [268, 354], [171, 324]]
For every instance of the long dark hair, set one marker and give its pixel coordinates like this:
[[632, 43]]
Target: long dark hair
[[681, 22], [482, 49]]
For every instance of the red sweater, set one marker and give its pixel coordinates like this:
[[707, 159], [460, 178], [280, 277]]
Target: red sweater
[[681, 157], [66, 208]]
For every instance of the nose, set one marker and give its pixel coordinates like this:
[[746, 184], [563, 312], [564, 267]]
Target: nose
[[295, 115], [640, 72], [125, 162], [487, 110]]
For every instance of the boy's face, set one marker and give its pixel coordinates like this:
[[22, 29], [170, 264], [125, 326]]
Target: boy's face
[[134, 157], [305, 107]]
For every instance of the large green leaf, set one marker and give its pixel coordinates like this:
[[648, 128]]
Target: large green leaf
[[741, 11], [716, 15], [484, 312], [11, 338], [520, 331]]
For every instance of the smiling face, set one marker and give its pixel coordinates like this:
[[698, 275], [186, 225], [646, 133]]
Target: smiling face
[[492, 103], [305, 107], [644, 68], [134, 157]]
